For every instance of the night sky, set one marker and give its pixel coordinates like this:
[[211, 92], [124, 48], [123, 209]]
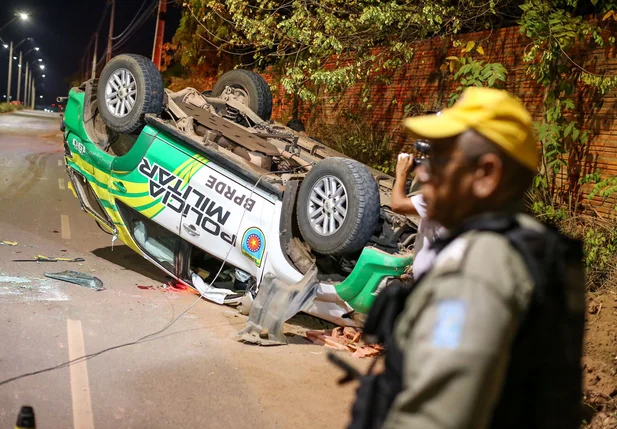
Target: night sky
[[63, 29]]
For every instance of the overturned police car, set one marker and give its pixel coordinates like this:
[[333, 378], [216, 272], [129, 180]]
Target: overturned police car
[[212, 191]]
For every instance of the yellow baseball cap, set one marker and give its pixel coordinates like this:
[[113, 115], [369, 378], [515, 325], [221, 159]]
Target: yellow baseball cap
[[494, 113]]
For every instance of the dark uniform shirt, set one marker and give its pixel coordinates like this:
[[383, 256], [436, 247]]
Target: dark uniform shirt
[[457, 330]]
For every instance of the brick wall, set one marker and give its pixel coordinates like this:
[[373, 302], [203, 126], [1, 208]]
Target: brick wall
[[420, 82]]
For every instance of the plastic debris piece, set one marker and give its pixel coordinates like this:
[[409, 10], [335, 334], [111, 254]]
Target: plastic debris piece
[[41, 258], [78, 278], [113, 239], [344, 339], [277, 302], [209, 292], [242, 276], [8, 243]]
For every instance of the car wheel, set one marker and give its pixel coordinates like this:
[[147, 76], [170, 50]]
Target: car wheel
[[338, 206], [129, 87], [247, 87]]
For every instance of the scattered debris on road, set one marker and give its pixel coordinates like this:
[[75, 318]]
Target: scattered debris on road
[[211, 293], [78, 278], [344, 339], [8, 243], [172, 285], [11, 279], [41, 258]]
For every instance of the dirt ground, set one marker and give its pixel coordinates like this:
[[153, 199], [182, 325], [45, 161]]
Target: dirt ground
[[600, 360]]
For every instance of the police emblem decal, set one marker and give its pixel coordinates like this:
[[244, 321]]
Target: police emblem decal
[[253, 245]]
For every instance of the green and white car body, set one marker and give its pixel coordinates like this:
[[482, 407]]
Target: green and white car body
[[168, 196]]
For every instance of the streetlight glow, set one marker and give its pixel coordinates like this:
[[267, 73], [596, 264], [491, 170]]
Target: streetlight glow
[[37, 48], [6, 46], [23, 16], [14, 58], [40, 60], [43, 75], [40, 96], [42, 67]]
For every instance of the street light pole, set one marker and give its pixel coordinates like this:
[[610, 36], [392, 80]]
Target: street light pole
[[33, 94], [19, 77], [8, 90], [8, 23], [26, 83], [21, 15]]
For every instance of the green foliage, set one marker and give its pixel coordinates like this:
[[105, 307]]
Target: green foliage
[[477, 73], [600, 248], [414, 109], [558, 39], [469, 71], [6, 107], [354, 137], [331, 43], [556, 35]]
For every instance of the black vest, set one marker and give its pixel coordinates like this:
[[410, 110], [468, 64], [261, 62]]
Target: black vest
[[543, 385]]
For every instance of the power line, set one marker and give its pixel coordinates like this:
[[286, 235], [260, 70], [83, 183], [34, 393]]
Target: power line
[[128, 27], [103, 15], [140, 22]]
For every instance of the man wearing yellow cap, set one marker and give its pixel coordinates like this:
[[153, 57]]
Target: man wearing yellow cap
[[491, 336]]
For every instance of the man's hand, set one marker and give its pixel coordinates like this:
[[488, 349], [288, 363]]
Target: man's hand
[[404, 165], [400, 202]]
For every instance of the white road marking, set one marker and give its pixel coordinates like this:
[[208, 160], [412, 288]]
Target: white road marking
[[80, 386], [61, 183], [66, 229], [59, 163]]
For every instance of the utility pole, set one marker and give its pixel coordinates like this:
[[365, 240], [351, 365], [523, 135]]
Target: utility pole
[[19, 78], [96, 42], [83, 69], [33, 94], [26, 82], [30, 85], [159, 34], [8, 90], [111, 29]]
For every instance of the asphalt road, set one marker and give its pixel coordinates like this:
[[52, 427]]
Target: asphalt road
[[194, 374]]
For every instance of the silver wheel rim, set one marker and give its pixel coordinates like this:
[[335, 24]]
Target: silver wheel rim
[[327, 208], [120, 93]]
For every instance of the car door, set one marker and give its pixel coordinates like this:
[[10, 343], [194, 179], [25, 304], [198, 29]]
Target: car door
[[149, 185], [228, 218]]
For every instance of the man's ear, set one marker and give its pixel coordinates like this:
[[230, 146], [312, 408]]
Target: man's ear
[[488, 175]]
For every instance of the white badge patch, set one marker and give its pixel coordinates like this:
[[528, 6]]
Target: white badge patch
[[449, 325], [453, 252]]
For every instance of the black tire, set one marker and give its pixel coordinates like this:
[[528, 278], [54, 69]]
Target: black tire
[[362, 217], [148, 92], [255, 86]]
